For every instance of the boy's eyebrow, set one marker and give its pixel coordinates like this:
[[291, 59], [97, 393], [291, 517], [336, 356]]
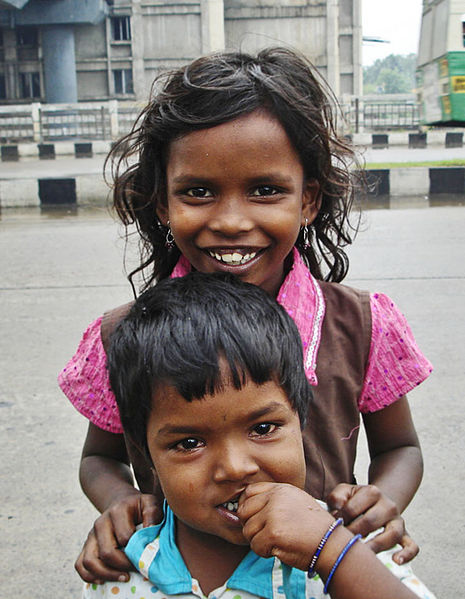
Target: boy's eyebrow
[[192, 430], [271, 407]]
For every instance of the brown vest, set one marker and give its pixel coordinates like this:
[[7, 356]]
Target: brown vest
[[331, 432]]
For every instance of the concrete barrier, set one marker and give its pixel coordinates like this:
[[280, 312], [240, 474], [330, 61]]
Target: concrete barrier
[[444, 139], [92, 189], [409, 181], [18, 193]]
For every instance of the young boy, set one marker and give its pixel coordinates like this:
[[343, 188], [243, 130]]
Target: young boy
[[208, 376]]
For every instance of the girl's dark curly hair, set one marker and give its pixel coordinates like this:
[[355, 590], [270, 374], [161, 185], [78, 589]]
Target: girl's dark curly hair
[[219, 88]]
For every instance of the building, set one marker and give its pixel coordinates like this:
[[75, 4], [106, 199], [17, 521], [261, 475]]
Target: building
[[82, 50], [441, 62]]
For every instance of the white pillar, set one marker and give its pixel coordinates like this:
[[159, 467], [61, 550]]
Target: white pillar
[[357, 37], [332, 45], [59, 64], [212, 15], [141, 88]]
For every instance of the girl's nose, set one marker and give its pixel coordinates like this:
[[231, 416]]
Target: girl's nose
[[234, 464], [231, 217]]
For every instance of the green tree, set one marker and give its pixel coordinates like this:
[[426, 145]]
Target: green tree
[[390, 75]]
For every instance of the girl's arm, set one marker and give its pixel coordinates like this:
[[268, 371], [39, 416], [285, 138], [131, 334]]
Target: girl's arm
[[104, 471], [107, 480], [396, 466], [394, 475]]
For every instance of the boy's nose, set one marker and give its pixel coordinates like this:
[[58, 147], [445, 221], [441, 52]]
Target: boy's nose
[[234, 464], [231, 217]]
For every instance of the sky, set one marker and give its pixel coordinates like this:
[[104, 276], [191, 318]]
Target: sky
[[397, 21]]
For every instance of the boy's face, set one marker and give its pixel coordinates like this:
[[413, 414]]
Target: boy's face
[[207, 451]]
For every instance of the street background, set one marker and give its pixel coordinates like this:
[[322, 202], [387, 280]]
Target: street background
[[60, 270]]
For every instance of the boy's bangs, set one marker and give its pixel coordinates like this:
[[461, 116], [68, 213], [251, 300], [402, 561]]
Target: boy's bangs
[[210, 373], [207, 347]]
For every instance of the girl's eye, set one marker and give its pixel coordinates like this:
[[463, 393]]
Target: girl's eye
[[265, 428], [188, 444], [199, 192], [265, 190]]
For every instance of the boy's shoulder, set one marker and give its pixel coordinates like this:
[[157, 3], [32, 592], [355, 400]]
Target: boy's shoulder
[[153, 551]]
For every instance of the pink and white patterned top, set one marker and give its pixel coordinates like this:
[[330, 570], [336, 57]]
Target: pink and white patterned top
[[395, 364]]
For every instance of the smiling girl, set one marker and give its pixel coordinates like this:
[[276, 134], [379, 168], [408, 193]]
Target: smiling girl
[[235, 166]]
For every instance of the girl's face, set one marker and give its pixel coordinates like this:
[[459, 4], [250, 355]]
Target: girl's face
[[237, 197]]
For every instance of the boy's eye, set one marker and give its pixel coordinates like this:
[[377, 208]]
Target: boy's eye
[[188, 444], [265, 190], [199, 192], [265, 428]]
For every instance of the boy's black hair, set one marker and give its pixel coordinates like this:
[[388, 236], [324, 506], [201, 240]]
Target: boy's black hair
[[219, 88], [182, 331]]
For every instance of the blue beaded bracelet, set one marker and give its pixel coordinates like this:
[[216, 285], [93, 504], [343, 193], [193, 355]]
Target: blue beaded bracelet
[[321, 544], [339, 560]]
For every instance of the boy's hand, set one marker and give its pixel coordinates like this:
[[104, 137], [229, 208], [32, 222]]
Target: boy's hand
[[364, 509], [283, 521], [102, 558]]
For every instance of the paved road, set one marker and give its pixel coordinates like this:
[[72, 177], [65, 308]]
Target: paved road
[[60, 271]]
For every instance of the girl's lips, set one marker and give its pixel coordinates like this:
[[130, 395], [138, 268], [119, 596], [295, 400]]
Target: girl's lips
[[234, 260]]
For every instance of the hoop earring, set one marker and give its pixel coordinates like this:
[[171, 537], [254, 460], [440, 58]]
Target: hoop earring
[[169, 239], [306, 236]]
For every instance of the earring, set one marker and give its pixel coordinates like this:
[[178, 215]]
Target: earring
[[169, 239], [306, 236]]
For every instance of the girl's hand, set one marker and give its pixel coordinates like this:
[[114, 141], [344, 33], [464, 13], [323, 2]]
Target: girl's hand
[[102, 558], [364, 509], [283, 521]]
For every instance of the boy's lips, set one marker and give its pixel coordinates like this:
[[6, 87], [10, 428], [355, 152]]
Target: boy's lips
[[232, 504]]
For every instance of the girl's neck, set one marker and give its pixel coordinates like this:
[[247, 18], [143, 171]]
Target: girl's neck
[[210, 560]]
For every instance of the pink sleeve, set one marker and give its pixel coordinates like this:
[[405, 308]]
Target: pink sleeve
[[85, 382], [395, 363]]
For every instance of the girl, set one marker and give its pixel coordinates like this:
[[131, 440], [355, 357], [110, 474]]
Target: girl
[[235, 166]]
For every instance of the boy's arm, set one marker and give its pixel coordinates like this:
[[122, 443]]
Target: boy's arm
[[283, 521], [394, 475], [107, 480]]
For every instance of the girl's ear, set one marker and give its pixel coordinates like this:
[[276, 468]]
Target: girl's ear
[[311, 201], [162, 213]]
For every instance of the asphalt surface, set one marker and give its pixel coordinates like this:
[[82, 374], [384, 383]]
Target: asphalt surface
[[61, 270]]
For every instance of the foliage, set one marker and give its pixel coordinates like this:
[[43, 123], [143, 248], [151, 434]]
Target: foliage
[[394, 74]]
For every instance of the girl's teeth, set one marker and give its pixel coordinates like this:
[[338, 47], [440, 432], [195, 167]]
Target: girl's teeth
[[233, 259]]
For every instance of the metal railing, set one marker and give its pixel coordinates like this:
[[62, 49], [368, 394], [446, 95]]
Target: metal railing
[[361, 115], [54, 122], [110, 120]]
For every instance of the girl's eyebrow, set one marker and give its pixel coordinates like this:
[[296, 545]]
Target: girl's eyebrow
[[277, 177]]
